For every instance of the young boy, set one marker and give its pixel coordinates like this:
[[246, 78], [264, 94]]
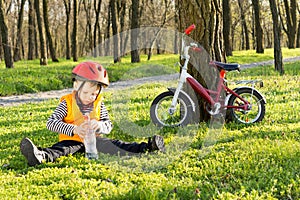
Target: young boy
[[69, 121]]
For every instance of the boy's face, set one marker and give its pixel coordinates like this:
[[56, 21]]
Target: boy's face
[[88, 93]]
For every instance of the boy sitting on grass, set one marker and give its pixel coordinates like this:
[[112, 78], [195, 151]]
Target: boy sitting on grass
[[68, 120]]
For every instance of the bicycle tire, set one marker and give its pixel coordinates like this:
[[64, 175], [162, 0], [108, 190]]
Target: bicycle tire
[[254, 115], [160, 115]]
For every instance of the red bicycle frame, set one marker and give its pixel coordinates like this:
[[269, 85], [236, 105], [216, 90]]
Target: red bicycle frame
[[207, 93], [202, 91]]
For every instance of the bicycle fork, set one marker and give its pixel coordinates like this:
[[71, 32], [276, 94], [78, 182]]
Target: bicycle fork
[[215, 106], [184, 76], [181, 81]]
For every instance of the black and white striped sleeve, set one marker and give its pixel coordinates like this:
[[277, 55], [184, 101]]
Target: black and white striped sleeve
[[55, 122], [105, 125]]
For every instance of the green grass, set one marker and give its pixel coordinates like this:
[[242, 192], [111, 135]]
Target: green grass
[[249, 56], [30, 77], [259, 161]]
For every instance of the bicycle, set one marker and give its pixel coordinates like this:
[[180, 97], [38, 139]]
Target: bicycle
[[175, 107]]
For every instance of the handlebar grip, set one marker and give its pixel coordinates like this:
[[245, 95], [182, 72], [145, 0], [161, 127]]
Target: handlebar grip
[[197, 49], [190, 29]]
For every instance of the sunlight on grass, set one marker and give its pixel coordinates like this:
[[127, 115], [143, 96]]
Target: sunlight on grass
[[259, 161], [30, 77], [250, 56]]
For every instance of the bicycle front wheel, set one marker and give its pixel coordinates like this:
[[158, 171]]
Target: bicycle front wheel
[[257, 107], [159, 111]]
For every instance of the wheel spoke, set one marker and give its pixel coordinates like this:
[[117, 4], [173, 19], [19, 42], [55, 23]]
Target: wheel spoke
[[160, 111], [256, 110]]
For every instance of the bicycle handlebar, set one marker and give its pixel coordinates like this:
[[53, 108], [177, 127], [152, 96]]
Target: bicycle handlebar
[[197, 49], [190, 29]]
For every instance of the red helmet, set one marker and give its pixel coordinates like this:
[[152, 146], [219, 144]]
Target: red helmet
[[91, 71]]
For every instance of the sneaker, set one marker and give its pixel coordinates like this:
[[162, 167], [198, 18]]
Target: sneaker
[[156, 143], [31, 152]]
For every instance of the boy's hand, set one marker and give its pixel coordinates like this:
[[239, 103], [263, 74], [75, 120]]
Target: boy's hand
[[94, 124], [81, 130]]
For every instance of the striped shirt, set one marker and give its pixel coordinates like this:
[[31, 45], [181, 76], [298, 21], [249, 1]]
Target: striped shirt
[[55, 122]]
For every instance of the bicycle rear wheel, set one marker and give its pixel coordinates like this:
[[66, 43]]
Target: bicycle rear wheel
[[255, 114], [159, 110]]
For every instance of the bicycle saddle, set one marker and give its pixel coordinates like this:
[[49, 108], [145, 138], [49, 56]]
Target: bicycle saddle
[[227, 67]]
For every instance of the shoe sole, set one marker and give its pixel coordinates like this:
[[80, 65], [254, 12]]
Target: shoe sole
[[28, 150], [159, 141]]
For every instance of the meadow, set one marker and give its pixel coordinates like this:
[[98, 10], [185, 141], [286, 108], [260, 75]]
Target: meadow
[[29, 77], [259, 161]]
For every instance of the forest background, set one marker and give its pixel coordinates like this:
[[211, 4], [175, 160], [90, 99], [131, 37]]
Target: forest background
[[33, 29]]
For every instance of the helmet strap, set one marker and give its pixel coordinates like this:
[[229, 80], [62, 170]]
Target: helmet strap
[[79, 88], [99, 90], [81, 85]]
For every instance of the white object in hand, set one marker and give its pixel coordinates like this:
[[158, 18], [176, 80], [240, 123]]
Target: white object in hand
[[89, 141]]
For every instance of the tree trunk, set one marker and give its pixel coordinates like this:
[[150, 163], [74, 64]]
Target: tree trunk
[[298, 36], [258, 29], [291, 22], [88, 34], [97, 8], [156, 34], [17, 48], [36, 43], [107, 34], [100, 39], [43, 57], [114, 24], [176, 37], [276, 32], [1, 47], [217, 39], [5, 41], [158, 31], [48, 33], [67, 4], [206, 16], [122, 11], [298, 32], [74, 33], [245, 34], [227, 27], [135, 56], [31, 29]]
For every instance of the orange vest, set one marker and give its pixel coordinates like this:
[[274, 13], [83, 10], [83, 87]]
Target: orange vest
[[74, 116]]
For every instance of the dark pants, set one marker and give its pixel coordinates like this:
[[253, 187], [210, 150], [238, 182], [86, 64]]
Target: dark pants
[[104, 145]]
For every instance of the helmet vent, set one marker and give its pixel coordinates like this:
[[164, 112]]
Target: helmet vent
[[100, 68], [92, 70]]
